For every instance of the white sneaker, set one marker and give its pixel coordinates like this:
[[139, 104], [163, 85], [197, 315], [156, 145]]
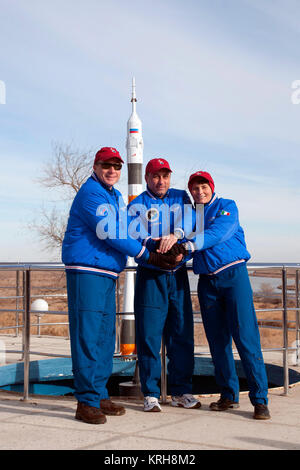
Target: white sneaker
[[151, 404], [186, 401]]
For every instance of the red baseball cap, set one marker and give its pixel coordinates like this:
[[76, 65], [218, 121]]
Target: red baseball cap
[[157, 164], [106, 153], [204, 175]]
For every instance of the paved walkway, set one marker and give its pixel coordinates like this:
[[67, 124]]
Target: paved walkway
[[48, 423]]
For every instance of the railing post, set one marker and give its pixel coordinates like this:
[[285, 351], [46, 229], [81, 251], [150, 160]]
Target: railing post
[[23, 313], [285, 333], [163, 372], [26, 336], [17, 300], [118, 319], [297, 315]]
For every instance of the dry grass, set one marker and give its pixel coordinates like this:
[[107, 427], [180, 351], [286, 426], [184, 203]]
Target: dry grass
[[53, 283]]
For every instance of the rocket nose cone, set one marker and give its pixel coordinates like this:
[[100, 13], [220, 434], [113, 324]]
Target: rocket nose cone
[[134, 123]]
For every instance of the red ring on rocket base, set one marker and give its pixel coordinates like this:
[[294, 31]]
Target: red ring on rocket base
[[127, 337]]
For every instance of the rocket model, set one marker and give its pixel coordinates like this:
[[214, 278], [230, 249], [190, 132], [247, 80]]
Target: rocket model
[[134, 145], [135, 148]]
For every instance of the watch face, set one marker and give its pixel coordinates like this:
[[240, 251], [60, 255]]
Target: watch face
[[152, 214], [178, 234]]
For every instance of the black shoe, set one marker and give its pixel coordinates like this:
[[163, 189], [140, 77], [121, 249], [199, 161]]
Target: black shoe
[[223, 404], [261, 411]]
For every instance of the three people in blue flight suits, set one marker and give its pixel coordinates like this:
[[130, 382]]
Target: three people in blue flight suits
[[163, 307]]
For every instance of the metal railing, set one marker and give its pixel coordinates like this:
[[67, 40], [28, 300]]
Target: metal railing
[[27, 268]]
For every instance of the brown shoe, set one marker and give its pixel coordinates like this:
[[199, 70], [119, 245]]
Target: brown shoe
[[108, 407], [89, 414], [261, 411], [223, 404]]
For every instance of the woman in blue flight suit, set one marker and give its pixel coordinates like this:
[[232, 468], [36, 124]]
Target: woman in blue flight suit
[[226, 300]]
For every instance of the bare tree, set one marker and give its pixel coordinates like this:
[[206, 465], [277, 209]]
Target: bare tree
[[67, 170], [50, 228], [65, 173], [266, 290]]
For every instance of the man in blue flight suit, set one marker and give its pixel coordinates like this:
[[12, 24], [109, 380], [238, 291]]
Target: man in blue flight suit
[[94, 258], [162, 301], [225, 298]]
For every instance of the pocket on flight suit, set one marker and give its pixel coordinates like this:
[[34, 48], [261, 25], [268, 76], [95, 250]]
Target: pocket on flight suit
[[96, 314]]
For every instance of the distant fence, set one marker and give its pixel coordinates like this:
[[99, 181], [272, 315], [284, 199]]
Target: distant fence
[[23, 297]]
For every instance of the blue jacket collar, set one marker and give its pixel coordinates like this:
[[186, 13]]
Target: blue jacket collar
[[213, 199]]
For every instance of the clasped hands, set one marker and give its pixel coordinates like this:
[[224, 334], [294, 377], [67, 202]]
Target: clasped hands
[[169, 253]]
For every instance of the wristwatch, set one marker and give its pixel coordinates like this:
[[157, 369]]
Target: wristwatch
[[178, 233]]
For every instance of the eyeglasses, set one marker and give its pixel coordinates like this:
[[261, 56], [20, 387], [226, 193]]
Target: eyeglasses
[[106, 166]]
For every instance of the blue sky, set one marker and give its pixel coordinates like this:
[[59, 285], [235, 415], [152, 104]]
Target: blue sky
[[214, 86]]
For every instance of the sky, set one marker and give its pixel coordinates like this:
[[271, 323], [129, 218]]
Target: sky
[[214, 83]]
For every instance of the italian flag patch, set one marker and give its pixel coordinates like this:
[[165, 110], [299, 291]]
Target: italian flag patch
[[224, 213]]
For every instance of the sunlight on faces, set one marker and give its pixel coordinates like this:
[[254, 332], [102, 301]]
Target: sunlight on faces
[[159, 182], [108, 176], [201, 192]]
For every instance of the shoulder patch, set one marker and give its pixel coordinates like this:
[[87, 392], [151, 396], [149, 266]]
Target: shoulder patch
[[224, 212], [152, 214]]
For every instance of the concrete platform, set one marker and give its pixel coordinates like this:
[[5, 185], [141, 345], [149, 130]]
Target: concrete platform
[[47, 423]]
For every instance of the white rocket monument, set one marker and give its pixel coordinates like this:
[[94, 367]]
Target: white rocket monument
[[134, 146]]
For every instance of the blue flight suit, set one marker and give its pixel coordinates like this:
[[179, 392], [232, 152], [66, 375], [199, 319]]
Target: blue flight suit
[[94, 258], [162, 302], [92, 319], [226, 301]]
